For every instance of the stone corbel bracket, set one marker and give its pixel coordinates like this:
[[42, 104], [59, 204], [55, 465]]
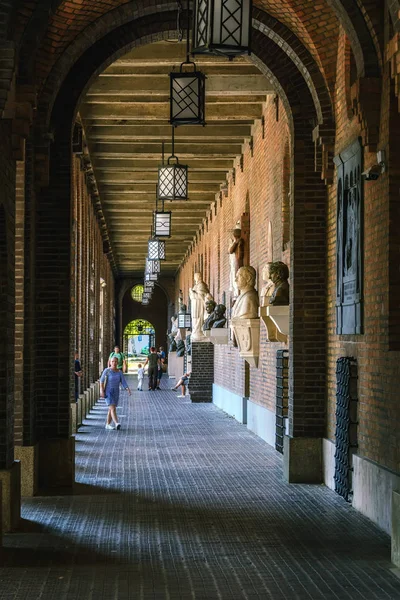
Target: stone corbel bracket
[[219, 336], [276, 321], [247, 334], [366, 102]]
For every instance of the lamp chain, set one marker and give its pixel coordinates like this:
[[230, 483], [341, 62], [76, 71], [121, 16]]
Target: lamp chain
[[178, 21]]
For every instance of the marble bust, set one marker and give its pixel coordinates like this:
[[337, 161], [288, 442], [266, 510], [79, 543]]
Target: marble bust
[[246, 305], [268, 288], [199, 293]]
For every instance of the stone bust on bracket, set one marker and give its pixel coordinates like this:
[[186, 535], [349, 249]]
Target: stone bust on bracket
[[246, 305], [219, 316], [279, 274]]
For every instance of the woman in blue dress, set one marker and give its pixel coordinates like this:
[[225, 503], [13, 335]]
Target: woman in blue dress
[[110, 381]]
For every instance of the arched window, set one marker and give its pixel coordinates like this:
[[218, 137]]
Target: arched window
[[137, 293]]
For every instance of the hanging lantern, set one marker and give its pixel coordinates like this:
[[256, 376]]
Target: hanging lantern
[[153, 266], [162, 223], [187, 90], [148, 285], [172, 178], [146, 296], [150, 277], [184, 320], [156, 249], [187, 100], [145, 301], [222, 27]]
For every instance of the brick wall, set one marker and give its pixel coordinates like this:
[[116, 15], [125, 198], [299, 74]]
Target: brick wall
[[263, 189], [91, 274], [378, 366]]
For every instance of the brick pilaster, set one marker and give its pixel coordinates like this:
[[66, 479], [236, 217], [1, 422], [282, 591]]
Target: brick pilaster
[[202, 377]]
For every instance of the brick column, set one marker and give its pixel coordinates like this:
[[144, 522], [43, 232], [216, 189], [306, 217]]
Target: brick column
[[52, 340], [202, 377], [9, 469], [307, 363]]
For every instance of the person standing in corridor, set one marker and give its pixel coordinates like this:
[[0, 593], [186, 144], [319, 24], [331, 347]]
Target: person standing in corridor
[[121, 359], [154, 362], [110, 380]]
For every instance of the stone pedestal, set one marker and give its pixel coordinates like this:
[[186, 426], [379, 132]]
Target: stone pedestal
[[302, 460], [29, 459], [202, 377], [396, 528], [219, 336], [171, 364], [175, 365], [247, 334], [10, 480], [276, 321], [57, 463]]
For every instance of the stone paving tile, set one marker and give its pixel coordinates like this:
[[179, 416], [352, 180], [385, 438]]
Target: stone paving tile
[[185, 503]]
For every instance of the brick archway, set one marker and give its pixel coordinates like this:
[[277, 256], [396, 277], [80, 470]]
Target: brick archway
[[307, 101]]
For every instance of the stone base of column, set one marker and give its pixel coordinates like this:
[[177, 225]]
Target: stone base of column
[[29, 458], [56, 463], [10, 480], [74, 417], [396, 528], [202, 377], [302, 460]]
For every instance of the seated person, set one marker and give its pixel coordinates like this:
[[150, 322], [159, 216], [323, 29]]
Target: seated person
[[183, 383]]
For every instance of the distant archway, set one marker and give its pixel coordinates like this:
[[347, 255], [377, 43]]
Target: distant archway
[[139, 337]]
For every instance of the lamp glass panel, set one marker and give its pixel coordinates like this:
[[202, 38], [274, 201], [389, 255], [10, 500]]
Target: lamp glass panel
[[184, 320], [162, 224], [156, 250], [187, 98], [222, 27], [172, 182]]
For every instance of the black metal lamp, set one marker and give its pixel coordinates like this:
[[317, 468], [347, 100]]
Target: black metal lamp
[[222, 27], [156, 249], [187, 105], [187, 91], [172, 178]]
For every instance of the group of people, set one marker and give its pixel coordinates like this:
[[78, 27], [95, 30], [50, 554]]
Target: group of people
[[156, 362], [112, 379]]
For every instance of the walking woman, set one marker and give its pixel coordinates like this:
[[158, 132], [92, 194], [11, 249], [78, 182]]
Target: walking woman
[[110, 380]]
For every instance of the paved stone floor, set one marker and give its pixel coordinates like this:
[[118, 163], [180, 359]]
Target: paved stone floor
[[184, 502]]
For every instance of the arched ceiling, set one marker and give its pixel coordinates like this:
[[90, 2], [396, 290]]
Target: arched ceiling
[[125, 117]]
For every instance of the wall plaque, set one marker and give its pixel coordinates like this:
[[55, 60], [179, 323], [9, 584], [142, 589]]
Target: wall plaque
[[349, 241]]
